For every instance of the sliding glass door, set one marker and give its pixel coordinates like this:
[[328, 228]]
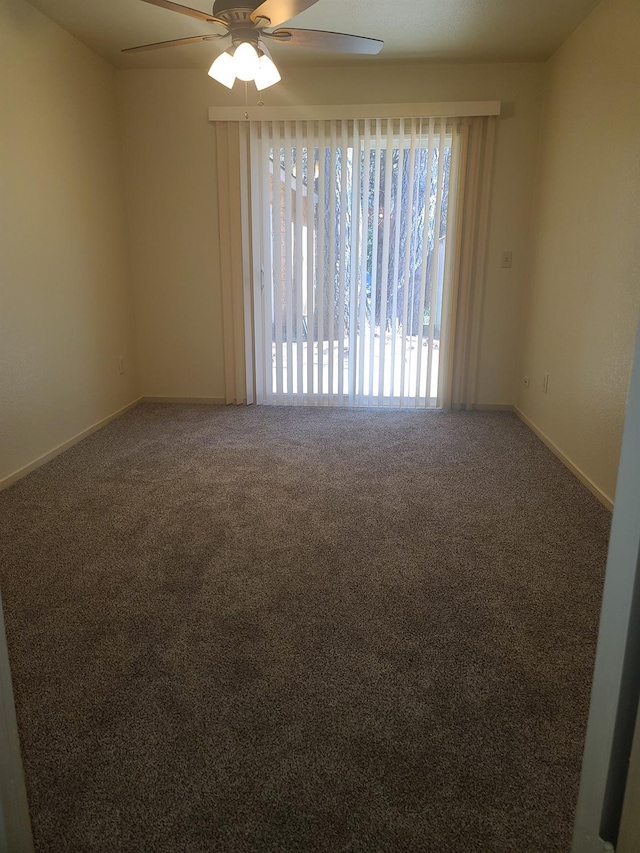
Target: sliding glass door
[[349, 235]]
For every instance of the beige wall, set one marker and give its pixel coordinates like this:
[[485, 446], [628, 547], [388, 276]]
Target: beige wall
[[169, 166], [584, 294], [65, 310]]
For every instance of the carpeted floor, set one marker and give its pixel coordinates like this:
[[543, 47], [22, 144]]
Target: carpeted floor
[[302, 630]]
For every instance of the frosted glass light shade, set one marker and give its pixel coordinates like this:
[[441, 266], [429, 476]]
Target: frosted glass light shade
[[245, 61], [267, 73], [223, 70]]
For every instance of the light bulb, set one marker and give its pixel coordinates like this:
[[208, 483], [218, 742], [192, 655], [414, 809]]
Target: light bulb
[[245, 61], [267, 73], [223, 71]]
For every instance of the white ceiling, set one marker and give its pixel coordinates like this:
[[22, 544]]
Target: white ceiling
[[432, 30]]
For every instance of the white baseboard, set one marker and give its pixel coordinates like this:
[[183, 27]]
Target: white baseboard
[[42, 460], [482, 407], [206, 401], [604, 499], [15, 825], [492, 407]]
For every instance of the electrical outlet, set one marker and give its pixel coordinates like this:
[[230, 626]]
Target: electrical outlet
[[507, 260], [525, 381], [121, 364], [545, 383]]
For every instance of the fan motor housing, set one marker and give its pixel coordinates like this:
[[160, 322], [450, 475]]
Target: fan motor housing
[[235, 13]]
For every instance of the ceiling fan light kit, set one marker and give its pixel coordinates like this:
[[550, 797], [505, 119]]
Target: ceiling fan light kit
[[245, 63]]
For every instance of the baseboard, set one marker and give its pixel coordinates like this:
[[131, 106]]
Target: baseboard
[[604, 499], [492, 407], [42, 460], [15, 825], [206, 401], [482, 407]]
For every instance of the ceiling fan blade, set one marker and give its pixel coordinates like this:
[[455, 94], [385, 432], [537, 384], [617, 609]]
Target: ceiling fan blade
[[173, 43], [279, 11], [338, 42], [185, 10]]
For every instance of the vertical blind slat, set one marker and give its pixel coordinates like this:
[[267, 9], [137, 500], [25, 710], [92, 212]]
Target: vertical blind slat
[[257, 258], [374, 259], [288, 253], [246, 220], [364, 220], [278, 260], [466, 265], [331, 271], [408, 255], [297, 196], [386, 228], [435, 260], [431, 153], [266, 272], [309, 177], [397, 209], [415, 241], [342, 260], [320, 269], [354, 266], [459, 155]]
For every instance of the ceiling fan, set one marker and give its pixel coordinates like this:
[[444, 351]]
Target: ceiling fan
[[248, 26]]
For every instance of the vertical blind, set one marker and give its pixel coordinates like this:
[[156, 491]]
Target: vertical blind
[[339, 308], [347, 224]]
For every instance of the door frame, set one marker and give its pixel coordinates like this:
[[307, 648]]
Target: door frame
[[15, 825], [616, 680]]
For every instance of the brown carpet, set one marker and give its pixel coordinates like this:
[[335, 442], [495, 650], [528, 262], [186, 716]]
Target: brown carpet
[[302, 630]]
